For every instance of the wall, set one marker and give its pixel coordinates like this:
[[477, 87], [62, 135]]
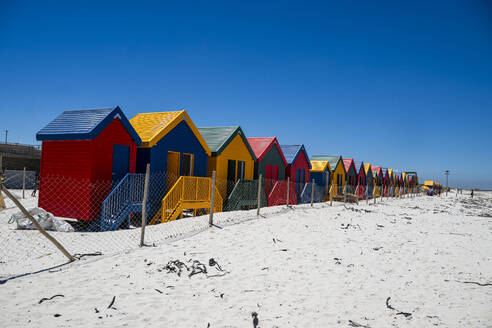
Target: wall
[[302, 163], [64, 186], [180, 139], [273, 157], [235, 150], [338, 170]]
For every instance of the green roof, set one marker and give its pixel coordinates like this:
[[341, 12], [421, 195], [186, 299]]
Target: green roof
[[333, 160], [218, 137]]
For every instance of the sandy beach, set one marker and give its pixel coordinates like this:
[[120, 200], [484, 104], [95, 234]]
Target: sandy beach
[[413, 262]]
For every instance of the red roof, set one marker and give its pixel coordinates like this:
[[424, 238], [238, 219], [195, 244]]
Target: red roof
[[261, 146], [347, 162], [376, 169]]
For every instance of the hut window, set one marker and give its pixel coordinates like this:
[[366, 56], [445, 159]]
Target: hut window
[[187, 168]]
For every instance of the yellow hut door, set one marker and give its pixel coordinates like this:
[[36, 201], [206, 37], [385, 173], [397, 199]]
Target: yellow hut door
[[172, 168]]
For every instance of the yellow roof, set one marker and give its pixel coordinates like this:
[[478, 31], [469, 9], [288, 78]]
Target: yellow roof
[[152, 127], [429, 183], [367, 166], [390, 171], [319, 166]]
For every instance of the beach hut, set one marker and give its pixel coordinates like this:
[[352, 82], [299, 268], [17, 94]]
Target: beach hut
[[174, 147], [84, 154], [232, 157], [386, 181], [369, 180], [361, 179], [391, 177], [350, 175], [377, 172], [271, 164], [397, 183], [298, 166], [321, 176], [338, 173]]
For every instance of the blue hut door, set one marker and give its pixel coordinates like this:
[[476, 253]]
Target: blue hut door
[[121, 163]]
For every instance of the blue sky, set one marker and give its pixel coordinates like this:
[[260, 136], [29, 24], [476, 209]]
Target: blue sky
[[405, 85]]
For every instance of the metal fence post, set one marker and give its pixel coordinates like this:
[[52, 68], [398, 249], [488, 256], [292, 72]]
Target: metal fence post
[[259, 195], [312, 193], [144, 205], [288, 190], [212, 196], [24, 183]]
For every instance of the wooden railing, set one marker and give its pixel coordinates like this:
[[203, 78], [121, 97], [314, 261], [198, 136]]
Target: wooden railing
[[189, 193]]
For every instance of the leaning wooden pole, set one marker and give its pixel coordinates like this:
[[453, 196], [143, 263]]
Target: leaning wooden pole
[[36, 224]]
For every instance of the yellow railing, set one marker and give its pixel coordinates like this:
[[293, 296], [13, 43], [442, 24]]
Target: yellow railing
[[189, 193]]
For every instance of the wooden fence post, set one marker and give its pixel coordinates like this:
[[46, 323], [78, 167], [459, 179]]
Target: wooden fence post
[[144, 205], [312, 192], [212, 198], [357, 194], [36, 224], [288, 190], [331, 195], [259, 195], [24, 183]]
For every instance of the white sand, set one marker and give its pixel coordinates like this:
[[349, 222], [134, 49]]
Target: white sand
[[418, 251]]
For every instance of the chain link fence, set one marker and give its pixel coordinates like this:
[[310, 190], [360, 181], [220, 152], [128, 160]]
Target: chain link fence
[[109, 217]]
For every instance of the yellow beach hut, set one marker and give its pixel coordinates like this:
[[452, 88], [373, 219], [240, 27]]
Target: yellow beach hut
[[338, 173], [232, 157]]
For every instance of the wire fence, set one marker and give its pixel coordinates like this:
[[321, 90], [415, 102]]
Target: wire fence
[[107, 217]]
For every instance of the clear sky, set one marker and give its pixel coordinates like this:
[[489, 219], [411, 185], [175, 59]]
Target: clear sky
[[405, 85]]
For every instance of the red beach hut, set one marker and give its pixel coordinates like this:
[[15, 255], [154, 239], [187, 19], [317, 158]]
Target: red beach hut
[[84, 153]]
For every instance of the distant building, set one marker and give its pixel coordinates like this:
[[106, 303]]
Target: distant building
[[17, 156]]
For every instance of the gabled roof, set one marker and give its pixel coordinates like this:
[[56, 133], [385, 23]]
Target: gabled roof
[[261, 146], [330, 158], [359, 166], [347, 162], [376, 169], [320, 166], [152, 127], [219, 137], [367, 167], [85, 124], [291, 152]]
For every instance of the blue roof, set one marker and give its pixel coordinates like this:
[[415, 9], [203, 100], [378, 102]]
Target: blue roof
[[291, 152], [85, 125]]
